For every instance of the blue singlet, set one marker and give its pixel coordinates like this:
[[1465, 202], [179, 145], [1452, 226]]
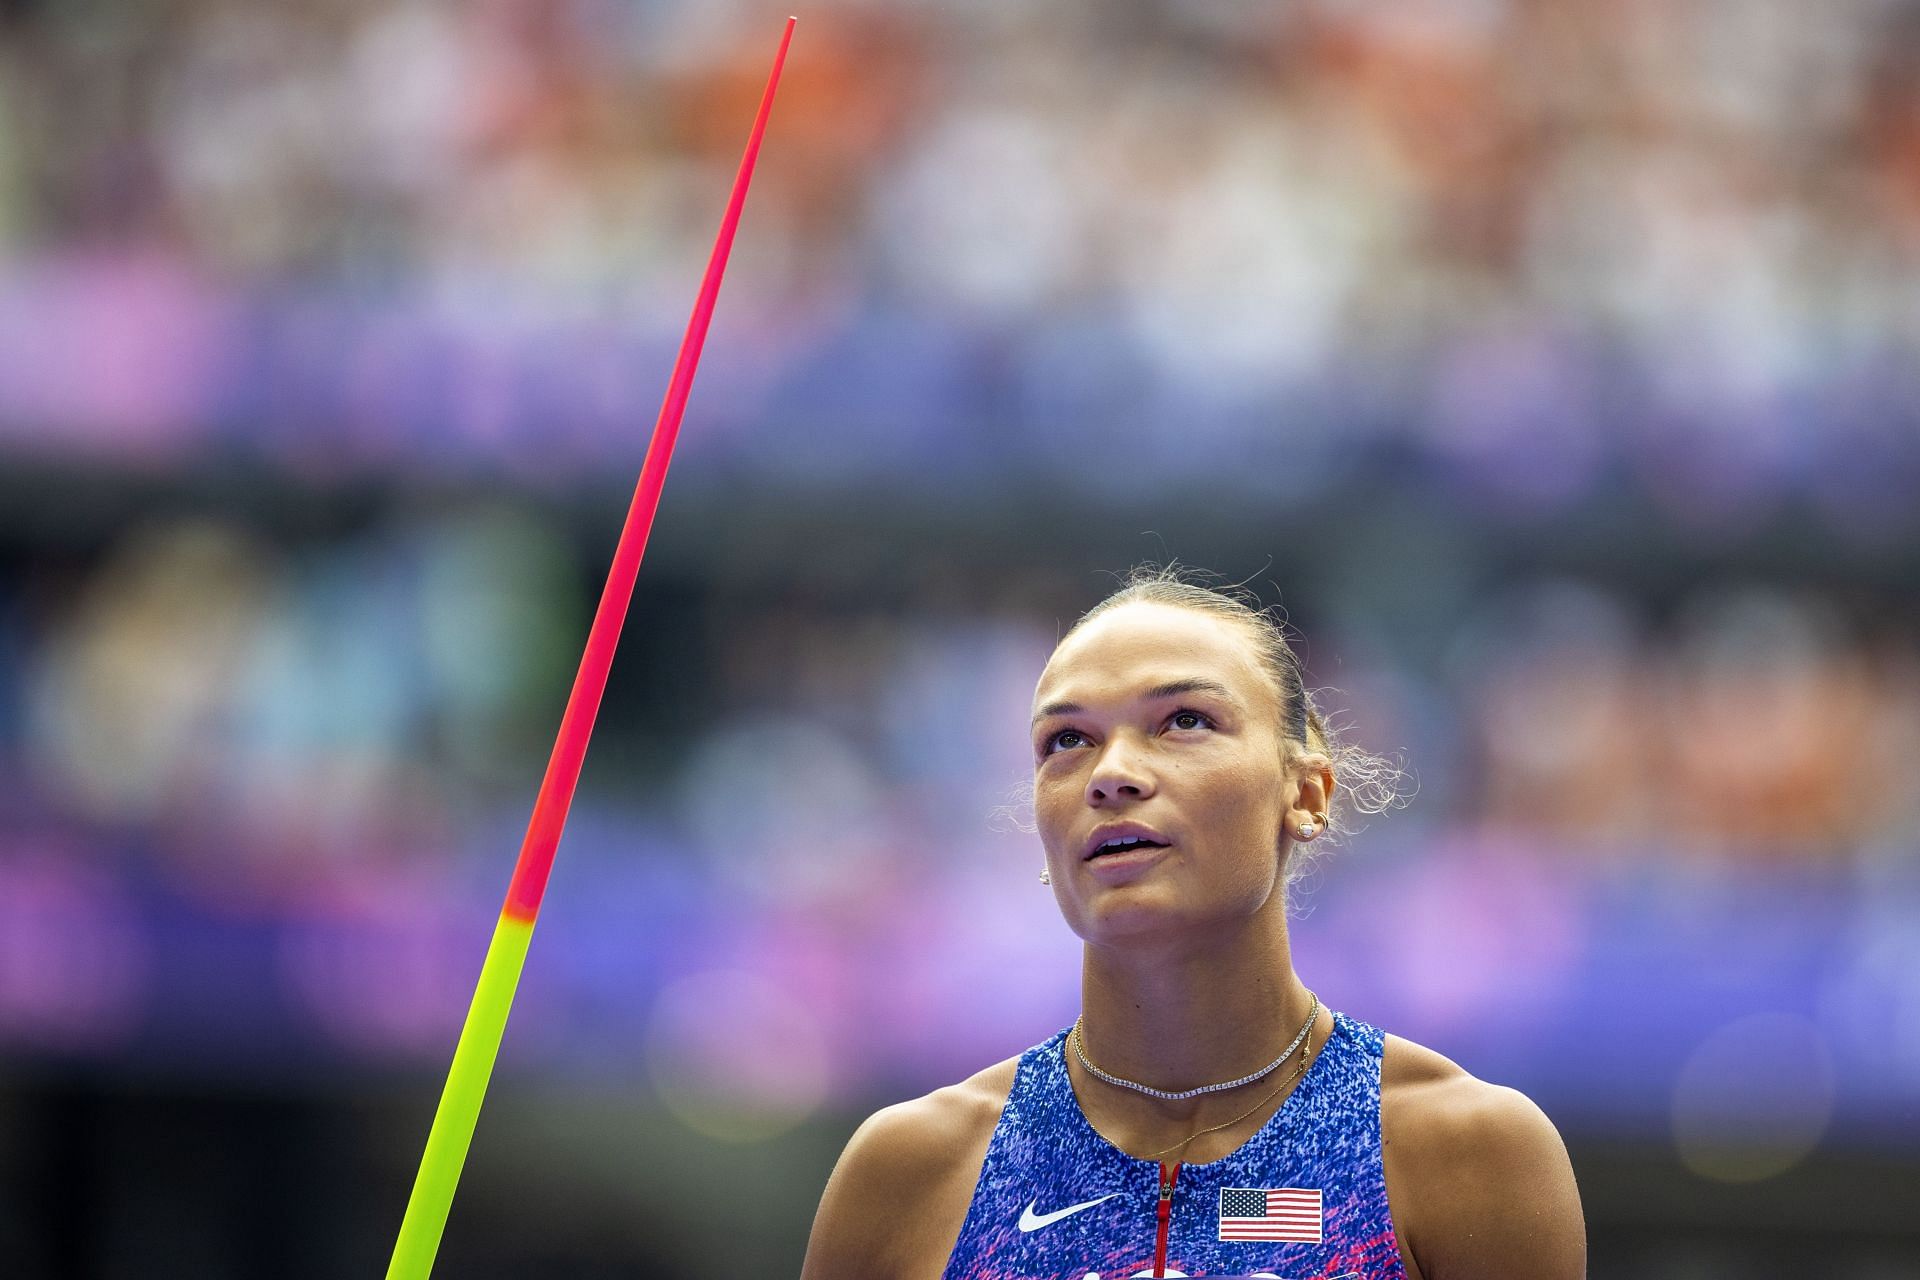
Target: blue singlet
[[1304, 1197]]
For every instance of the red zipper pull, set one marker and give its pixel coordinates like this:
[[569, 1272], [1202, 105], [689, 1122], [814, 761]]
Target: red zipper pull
[[1169, 1174]]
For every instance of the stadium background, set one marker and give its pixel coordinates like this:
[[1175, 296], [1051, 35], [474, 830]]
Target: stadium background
[[1553, 364]]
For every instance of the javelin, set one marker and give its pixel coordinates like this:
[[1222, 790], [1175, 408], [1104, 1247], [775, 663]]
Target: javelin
[[479, 1044]]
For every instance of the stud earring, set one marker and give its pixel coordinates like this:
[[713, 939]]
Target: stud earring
[[1305, 830], [1045, 876]]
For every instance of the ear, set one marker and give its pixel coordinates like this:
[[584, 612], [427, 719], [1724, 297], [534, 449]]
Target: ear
[[1310, 786]]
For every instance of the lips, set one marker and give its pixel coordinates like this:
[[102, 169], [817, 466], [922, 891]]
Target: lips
[[1117, 837]]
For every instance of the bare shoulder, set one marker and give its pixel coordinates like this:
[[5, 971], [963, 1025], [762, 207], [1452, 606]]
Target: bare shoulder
[[1435, 1112], [931, 1132], [895, 1201], [1477, 1176]]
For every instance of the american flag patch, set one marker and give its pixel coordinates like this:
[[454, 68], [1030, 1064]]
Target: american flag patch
[[1273, 1213]]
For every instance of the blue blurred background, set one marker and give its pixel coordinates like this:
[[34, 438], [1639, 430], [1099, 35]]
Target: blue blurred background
[[1553, 364]]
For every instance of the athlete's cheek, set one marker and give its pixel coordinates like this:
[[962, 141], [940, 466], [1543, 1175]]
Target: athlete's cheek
[[1051, 819]]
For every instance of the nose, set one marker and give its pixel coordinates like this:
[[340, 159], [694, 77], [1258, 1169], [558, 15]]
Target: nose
[[1119, 773]]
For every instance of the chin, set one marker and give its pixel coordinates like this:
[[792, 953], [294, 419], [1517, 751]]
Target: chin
[[1140, 913], [1126, 912]]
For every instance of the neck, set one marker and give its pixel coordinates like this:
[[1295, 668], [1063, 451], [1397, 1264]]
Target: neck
[[1197, 1010]]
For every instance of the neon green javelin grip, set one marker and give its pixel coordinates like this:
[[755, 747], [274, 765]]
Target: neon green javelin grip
[[473, 1057]]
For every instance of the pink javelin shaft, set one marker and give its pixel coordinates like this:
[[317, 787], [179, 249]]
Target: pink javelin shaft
[[480, 1035], [529, 884]]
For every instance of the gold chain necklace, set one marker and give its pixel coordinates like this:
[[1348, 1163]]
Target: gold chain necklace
[[1306, 1050], [1073, 1038], [1305, 1043]]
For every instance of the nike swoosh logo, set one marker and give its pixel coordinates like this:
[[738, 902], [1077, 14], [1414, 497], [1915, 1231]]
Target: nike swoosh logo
[[1031, 1221]]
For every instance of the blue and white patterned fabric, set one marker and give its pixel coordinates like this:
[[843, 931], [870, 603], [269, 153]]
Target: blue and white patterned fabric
[[1056, 1201]]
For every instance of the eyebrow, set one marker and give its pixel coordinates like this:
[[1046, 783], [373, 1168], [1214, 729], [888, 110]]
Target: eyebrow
[[1171, 689]]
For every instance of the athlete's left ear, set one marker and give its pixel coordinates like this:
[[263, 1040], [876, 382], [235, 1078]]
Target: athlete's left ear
[[1310, 786]]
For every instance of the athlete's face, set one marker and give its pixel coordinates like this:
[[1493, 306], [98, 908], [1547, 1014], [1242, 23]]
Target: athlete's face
[[1160, 716]]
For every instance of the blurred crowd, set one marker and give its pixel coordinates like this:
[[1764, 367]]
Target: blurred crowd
[[299, 706], [1561, 360], [323, 750], [1544, 247], [330, 745], [1639, 278]]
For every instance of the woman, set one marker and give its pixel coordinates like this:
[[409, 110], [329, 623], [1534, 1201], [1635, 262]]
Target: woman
[[1205, 1114]]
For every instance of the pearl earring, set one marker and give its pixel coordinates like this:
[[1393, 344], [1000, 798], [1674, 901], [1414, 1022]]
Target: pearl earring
[[1305, 830]]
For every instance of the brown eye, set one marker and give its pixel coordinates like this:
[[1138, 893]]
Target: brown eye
[[1060, 739], [1180, 720]]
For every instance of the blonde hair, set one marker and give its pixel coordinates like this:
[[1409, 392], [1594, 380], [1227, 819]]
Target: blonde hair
[[1366, 782]]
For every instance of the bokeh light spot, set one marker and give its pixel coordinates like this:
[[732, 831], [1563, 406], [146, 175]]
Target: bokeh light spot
[[734, 1058], [1754, 1098]]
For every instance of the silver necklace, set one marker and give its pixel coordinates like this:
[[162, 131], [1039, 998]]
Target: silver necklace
[[1175, 1095]]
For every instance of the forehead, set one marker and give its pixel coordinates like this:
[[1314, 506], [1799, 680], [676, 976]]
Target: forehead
[[1138, 645]]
